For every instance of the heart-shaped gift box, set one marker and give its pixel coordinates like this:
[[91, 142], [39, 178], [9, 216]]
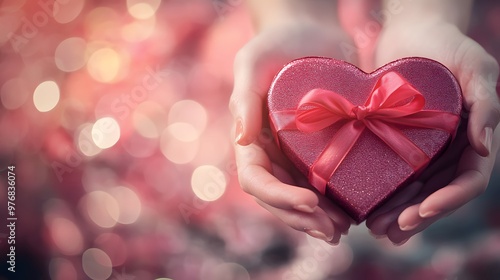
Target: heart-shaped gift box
[[360, 137]]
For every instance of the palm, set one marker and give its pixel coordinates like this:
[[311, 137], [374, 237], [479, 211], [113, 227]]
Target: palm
[[260, 162], [269, 51], [463, 171]]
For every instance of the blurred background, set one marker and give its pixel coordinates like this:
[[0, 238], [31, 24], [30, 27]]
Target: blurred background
[[114, 114]]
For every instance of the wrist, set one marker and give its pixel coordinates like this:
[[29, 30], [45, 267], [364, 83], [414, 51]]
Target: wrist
[[277, 13], [411, 13]]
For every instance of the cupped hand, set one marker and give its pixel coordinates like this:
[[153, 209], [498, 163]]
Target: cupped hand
[[463, 172], [262, 170]]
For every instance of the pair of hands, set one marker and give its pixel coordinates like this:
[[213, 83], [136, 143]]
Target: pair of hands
[[460, 175]]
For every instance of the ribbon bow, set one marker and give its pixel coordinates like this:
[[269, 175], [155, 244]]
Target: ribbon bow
[[393, 101]]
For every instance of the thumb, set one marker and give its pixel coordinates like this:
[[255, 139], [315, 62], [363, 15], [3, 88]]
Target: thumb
[[246, 108], [481, 99], [251, 82]]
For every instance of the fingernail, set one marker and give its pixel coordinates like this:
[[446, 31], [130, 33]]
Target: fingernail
[[487, 138], [401, 242], [318, 234], [428, 214], [376, 236], [333, 243], [409, 227], [304, 208], [238, 131]]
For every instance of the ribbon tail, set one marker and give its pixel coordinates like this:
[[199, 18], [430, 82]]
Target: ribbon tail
[[334, 153], [282, 120], [429, 119], [398, 142]]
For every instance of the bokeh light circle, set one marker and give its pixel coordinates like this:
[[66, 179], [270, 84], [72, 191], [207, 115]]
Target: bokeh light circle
[[177, 151], [96, 264], [70, 54], [46, 96], [66, 11], [100, 22], [105, 64], [208, 182], [62, 269], [105, 132], [139, 30], [145, 126], [188, 111], [227, 271], [67, 236], [184, 132], [115, 247], [142, 9], [129, 204], [13, 93], [149, 119], [102, 208], [84, 141]]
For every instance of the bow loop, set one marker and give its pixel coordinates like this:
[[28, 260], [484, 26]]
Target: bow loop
[[321, 108], [392, 97]]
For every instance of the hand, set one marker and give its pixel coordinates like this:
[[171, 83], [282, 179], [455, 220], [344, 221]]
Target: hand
[[465, 169], [262, 170]]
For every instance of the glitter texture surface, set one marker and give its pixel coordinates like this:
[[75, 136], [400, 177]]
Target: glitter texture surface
[[372, 171]]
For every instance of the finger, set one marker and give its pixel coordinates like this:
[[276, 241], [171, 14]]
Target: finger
[[437, 181], [400, 237], [252, 78], [337, 215], [406, 215], [473, 176], [246, 106], [466, 187], [254, 173], [316, 224], [484, 117], [450, 156], [480, 71], [412, 195], [381, 223], [282, 175], [454, 195], [402, 197], [274, 153], [410, 218]]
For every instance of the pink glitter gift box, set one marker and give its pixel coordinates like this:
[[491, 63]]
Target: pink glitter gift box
[[360, 137]]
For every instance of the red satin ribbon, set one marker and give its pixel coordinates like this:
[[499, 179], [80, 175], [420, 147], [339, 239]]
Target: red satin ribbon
[[393, 101]]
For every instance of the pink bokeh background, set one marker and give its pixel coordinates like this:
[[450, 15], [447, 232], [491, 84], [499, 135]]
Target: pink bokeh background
[[114, 114]]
